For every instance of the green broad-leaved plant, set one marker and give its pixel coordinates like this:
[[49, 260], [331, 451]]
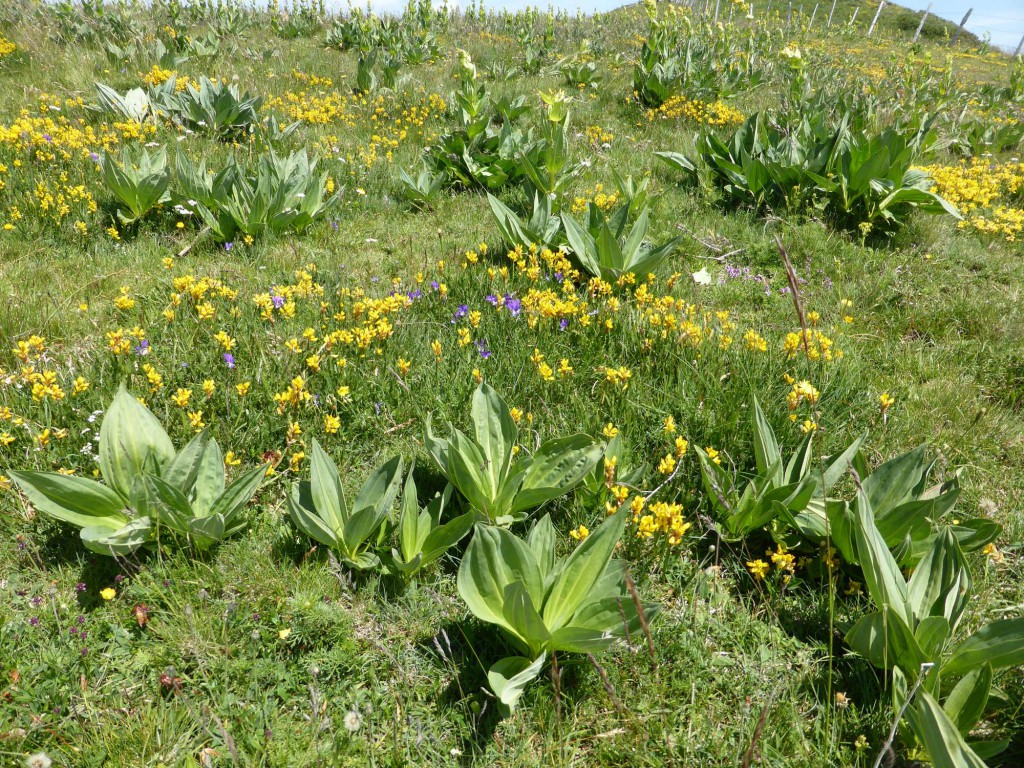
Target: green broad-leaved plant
[[134, 105], [192, 497], [784, 495], [541, 230], [503, 489], [139, 179], [281, 193], [213, 107], [545, 603], [146, 485], [423, 190], [914, 630], [422, 537], [604, 249], [318, 508], [908, 508]]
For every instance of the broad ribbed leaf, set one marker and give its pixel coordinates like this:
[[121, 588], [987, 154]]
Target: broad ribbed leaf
[[309, 522], [182, 470], [161, 501], [521, 615], [129, 437], [325, 488], [466, 471], [493, 560], [1000, 643], [378, 494], [442, 538], [557, 467], [885, 641], [573, 587], [542, 540], [409, 522], [230, 503], [117, 541], [73, 499], [967, 701], [882, 574], [941, 582], [766, 447], [892, 483], [210, 479], [946, 747], [496, 433], [511, 675]]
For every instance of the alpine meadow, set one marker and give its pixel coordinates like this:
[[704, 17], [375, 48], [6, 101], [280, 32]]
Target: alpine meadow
[[459, 386]]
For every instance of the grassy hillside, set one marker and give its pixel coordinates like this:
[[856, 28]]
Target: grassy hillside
[[268, 304]]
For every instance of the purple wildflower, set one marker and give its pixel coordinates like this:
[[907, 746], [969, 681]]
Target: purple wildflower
[[481, 347], [80, 587], [563, 324], [142, 348], [435, 285], [277, 301], [229, 360], [513, 305], [34, 621], [491, 299], [228, 246]]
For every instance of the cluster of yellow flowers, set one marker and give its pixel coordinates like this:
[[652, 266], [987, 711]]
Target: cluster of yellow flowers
[[597, 196], [598, 136], [54, 184], [988, 194], [715, 113], [815, 344], [6, 47], [158, 76], [661, 517]]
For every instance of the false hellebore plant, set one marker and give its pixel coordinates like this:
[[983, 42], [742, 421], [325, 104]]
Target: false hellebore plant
[[501, 490], [148, 485], [319, 509], [544, 603], [913, 631]]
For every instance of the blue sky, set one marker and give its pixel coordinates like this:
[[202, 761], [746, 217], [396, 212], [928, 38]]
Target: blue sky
[[1002, 19]]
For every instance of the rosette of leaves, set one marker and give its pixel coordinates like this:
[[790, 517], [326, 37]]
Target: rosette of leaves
[[283, 193], [541, 229], [914, 632], [422, 537], [146, 484], [215, 107], [604, 249], [319, 509], [139, 179], [134, 105], [544, 603], [500, 488]]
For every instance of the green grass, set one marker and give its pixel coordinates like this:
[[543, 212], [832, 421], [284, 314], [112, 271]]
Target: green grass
[[738, 667]]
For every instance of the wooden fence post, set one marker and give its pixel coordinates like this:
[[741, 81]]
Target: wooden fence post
[[961, 27], [854, 17], [813, 14], [921, 25], [830, 14], [874, 21]]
